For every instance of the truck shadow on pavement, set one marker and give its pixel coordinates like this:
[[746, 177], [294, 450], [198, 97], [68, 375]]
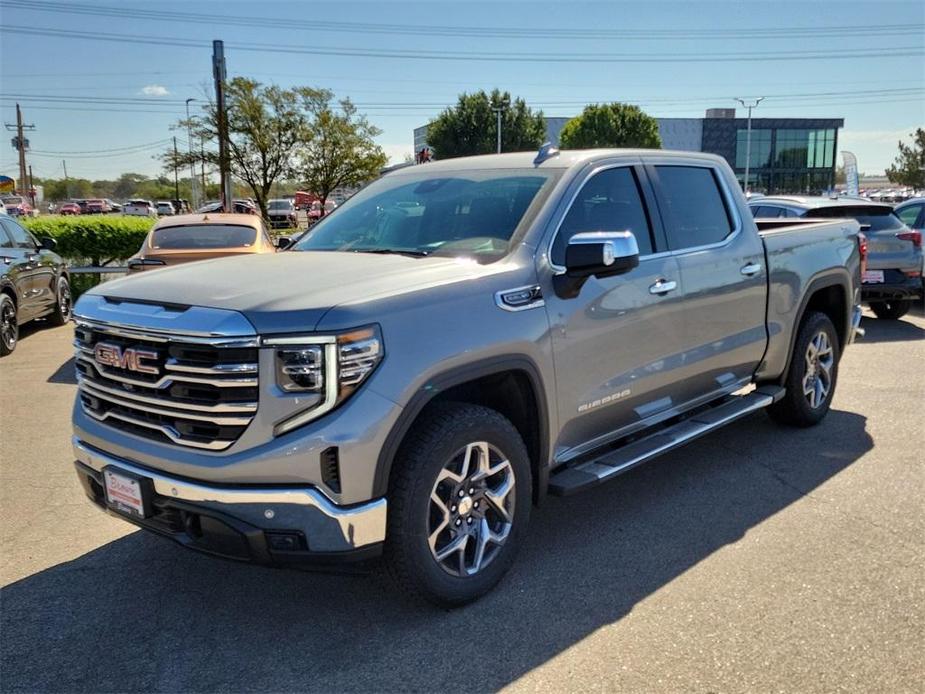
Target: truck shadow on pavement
[[143, 614]]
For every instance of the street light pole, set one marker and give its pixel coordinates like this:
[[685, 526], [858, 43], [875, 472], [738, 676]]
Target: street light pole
[[748, 136], [192, 165], [499, 109]]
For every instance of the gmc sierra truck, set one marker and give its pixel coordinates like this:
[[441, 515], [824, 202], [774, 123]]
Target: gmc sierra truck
[[456, 342]]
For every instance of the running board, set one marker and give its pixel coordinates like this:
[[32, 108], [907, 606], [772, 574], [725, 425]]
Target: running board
[[590, 473]]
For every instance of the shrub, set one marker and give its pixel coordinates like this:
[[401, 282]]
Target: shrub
[[97, 239]]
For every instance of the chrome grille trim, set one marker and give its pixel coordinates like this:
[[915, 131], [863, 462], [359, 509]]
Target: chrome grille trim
[[181, 409], [203, 396], [168, 379]]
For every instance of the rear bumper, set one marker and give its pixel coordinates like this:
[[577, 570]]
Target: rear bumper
[[277, 526], [896, 286]]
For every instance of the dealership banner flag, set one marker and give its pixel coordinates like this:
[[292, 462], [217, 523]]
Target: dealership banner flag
[[851, 172]]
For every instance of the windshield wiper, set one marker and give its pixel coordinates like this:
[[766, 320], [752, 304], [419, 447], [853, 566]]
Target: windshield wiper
[[391, 251]]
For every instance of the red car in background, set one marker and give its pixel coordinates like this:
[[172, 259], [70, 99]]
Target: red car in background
[[69, 208], [18, 206], [98, 207]]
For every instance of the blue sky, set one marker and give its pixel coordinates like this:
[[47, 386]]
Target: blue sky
[[401, 93]]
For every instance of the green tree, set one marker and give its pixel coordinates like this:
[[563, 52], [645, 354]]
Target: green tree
[[265, 124], [337, 147], [611, 125], [908, 168], [471, 126]]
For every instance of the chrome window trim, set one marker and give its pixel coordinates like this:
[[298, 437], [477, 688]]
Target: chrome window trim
[[560, 269]]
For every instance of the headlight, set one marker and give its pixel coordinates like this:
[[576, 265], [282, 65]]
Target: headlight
[[331, 366]]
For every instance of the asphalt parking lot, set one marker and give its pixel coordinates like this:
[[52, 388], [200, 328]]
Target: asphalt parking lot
[[758, 559]]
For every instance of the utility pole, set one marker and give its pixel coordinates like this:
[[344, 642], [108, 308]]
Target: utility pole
[[194, 201], [176, 179], [499, 109], [31, 187], [67, 183], [202, 165], [219, 73], [748, 137], [20, 144]]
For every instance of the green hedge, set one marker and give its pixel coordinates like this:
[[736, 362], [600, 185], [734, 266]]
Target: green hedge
[[94, 239]]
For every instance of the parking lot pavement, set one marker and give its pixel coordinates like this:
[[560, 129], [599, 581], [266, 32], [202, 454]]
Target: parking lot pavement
[[757, 559]]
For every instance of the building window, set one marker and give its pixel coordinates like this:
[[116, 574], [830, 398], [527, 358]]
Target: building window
[[805, 149], [760, 152]]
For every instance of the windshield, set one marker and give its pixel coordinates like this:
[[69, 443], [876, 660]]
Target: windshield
[[204, 236], [280, 205], [466, 213], [879, 218]]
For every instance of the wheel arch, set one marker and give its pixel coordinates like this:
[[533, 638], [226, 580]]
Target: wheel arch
[[829, 294], [510, 384]]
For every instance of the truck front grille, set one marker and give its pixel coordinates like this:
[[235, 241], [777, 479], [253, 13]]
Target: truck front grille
[[195, 392]]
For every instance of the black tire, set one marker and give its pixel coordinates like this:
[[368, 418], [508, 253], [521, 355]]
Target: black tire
[[796, 408], [891, 310], [437, 439], [62, 311], [9, 327]]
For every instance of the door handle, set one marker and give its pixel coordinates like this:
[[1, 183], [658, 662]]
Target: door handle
[[662, 286], [750, 269]]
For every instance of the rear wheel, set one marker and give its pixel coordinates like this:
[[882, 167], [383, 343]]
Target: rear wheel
[[811, 376], [62, 311], [891, 310], [9, 327], [459, 504]]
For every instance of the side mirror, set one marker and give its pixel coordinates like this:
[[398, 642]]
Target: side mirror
[[137, 264], [283, 242], [601, 254], [48, 243]]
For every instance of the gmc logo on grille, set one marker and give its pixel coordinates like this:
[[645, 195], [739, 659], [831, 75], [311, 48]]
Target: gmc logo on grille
[[131, 359]]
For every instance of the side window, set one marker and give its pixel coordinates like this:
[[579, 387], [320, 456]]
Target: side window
[[21, 237], [767, 211], [608, 201], [910, 214], [5, 240], [696, 207]]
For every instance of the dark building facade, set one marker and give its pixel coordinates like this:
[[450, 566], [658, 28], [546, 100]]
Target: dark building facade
[[788, 155]]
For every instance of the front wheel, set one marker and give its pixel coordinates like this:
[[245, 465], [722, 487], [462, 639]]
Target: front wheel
[[891, 310], [811, 376], [459, 504]]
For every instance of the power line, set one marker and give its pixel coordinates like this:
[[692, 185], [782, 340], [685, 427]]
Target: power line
[[539, 33], [160, 142], [545, 57]]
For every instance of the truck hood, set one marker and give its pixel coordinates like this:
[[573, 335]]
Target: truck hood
[[291, 292]]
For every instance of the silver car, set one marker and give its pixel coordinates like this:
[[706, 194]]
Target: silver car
[[892, 281]]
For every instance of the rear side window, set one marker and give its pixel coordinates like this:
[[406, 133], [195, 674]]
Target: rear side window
[[608, 201], [909, 215], [767, 211], [5, 240], [696, 209], [21, 237]]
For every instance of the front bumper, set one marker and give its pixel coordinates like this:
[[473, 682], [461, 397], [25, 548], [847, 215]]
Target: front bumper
[[896, 286], [271, 525]]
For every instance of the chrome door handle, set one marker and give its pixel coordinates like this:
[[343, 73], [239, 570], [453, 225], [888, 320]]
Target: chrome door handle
[[750, 269], [663, 287]]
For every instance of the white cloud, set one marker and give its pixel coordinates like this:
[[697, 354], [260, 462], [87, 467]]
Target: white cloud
[[395, 152], [155, 90]]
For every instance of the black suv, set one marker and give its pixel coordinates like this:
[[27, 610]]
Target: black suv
[[33, 282]]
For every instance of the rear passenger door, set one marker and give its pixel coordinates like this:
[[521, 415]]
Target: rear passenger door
[[721, 262]]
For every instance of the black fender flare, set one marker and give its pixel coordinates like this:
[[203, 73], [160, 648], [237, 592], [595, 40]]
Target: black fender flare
[[457, 376], [836, 278]]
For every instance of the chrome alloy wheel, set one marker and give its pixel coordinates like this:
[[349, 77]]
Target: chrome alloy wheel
[[817, 381], [9, 330], [471, 509], [64, 300]]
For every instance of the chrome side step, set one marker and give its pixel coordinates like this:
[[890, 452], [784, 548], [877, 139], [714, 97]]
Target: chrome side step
[[590, 473]]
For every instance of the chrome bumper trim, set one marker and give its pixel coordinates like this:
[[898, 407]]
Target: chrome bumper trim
[[353, 527]]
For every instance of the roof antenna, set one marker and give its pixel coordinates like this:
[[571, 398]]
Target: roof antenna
[[547, 151]]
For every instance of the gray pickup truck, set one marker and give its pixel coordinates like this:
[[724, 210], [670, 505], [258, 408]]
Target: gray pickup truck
[[457, 341]]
